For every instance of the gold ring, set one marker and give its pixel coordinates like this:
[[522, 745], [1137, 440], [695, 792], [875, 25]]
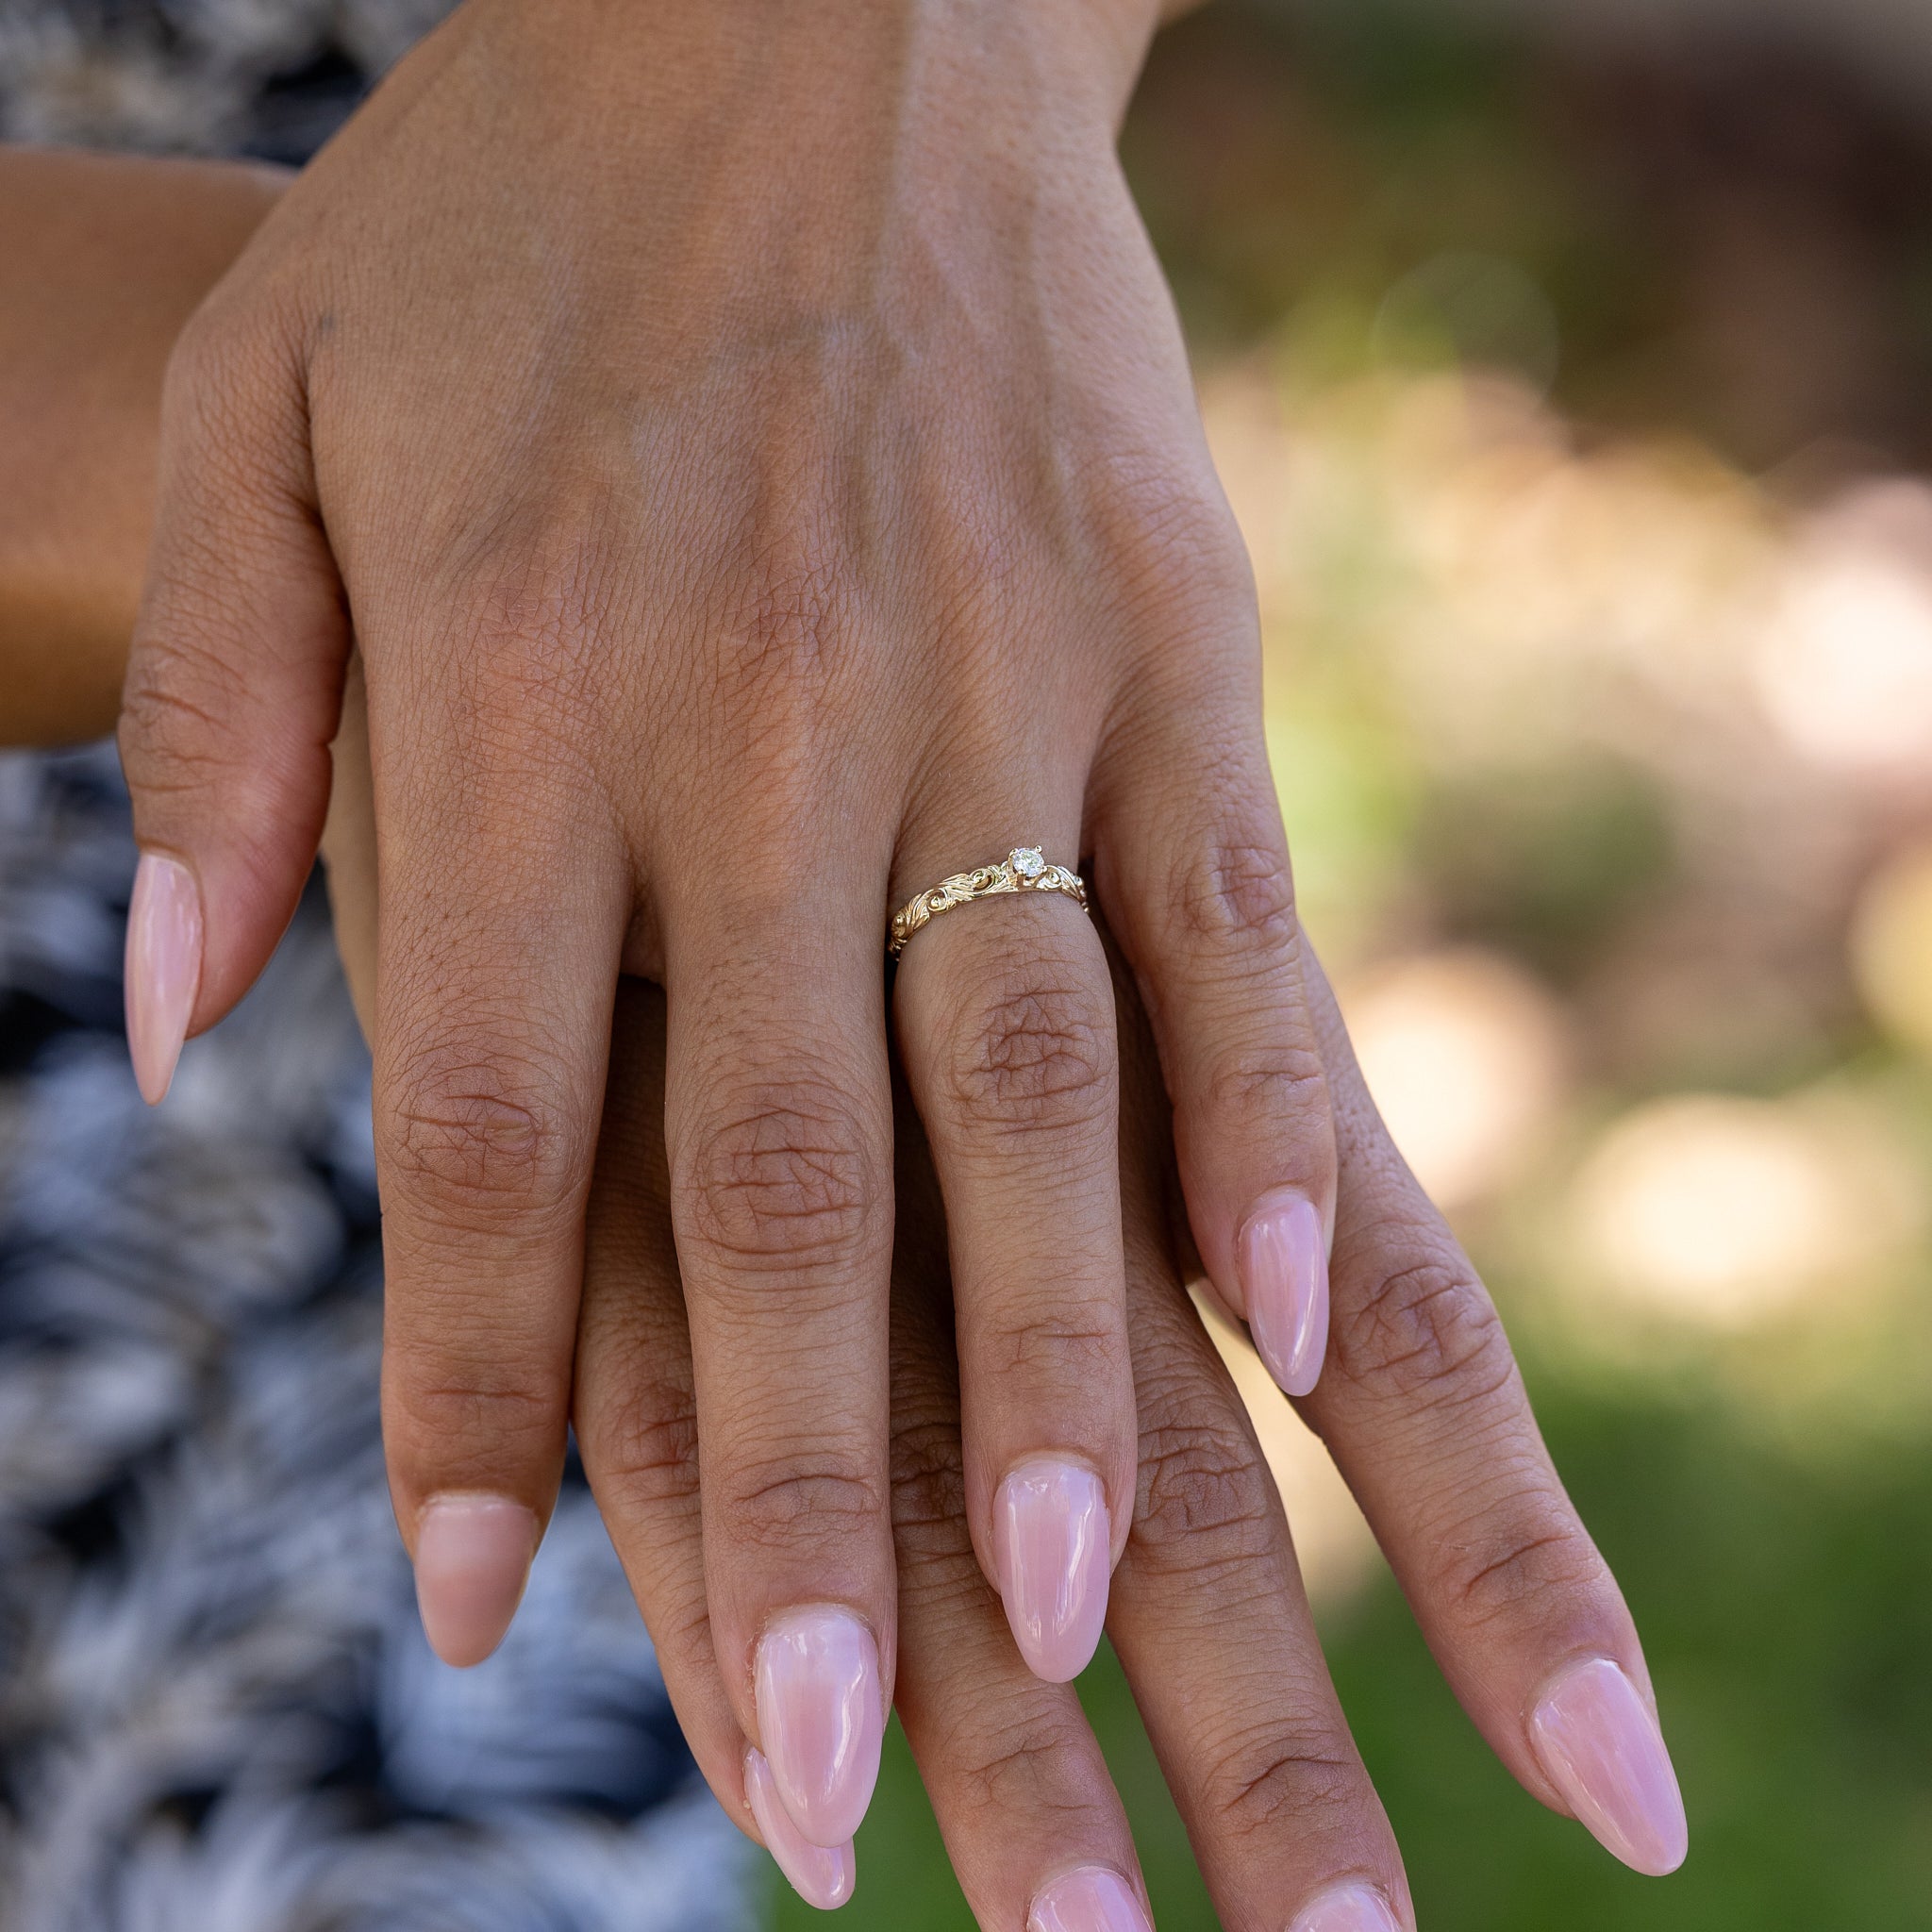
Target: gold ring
[[1023, 870]]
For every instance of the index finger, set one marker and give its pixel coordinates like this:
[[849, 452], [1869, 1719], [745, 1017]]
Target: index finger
[[503, 907]]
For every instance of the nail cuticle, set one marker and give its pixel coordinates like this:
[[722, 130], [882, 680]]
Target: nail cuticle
[[1089, 1898], [1351, 1907]]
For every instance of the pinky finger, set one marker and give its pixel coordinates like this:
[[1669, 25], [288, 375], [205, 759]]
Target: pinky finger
[[1193, 869]]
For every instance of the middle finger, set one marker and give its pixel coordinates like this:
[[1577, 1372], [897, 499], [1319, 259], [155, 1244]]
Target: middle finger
[[777, 1122]]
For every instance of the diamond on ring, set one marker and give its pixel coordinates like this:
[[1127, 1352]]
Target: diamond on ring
[[1025, 869]]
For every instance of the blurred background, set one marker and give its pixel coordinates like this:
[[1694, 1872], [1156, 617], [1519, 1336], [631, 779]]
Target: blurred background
[[1570, 369]]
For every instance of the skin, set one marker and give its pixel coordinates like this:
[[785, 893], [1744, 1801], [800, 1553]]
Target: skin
[[103, 263], [1421, 1404], [760, 469]]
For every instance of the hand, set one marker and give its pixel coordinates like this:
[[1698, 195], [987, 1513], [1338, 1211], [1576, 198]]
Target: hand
[[760, 472], [1423, 1409]]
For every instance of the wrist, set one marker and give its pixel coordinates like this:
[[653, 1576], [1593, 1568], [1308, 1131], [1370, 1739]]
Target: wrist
[[1080, 57]]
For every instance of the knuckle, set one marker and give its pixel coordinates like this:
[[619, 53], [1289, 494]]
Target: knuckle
[[1233, 898], [492, 1404], [230, 374], [794, 616], [783, 1177], [1206, 1498], [1274, 1081], [538, 595], [1033, 1054], [200, 355], [817, 1496], [1019, 1767], [1528, 1569], [210, 353], [175, 732], [1062, 1346], [1177, 548], [1426, 1331], [1266, 1777], [537, 572], [680, 1626], [477, 1132], [795, 606], [929, 1488], [649, 1460]]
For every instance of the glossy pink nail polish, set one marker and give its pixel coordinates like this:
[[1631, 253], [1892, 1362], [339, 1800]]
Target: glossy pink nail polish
[[820, 1876], [821, 1720], [1348, 1908], [162, 972], [1092, 1899], [472, 1559], [1282, 1256], [1051, 1548], [1596, 1740]]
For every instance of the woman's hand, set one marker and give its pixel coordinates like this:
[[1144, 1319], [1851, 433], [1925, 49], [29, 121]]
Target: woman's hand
[[753, 448], [1423, 1410]]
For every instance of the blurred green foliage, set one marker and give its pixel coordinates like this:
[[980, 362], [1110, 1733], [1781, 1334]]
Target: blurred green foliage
[[1545, 858]]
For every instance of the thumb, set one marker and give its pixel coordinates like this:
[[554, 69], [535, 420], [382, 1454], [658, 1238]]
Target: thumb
[[234, 684]]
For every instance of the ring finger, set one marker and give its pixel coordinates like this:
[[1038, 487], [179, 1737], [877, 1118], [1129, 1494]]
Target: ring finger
[[1006, 1023]]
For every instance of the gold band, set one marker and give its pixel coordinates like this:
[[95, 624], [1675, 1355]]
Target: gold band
[[1023, 870]]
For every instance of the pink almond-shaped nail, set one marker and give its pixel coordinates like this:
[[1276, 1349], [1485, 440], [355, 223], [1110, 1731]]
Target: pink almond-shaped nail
[[162, 971], [821, 1720], [821, 1876], [1348, 1908], [1282, 1257], [472, 1559], [1091, 1899], [1053, 1551], [1600, 1747]]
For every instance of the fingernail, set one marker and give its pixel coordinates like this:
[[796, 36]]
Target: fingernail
[[1348, 1908], [820, 1876], [1283, 1260], [1053, 1551], [1090, 1900], [820, 1719], [472, 1559], [1596, 1738], [162, 971]]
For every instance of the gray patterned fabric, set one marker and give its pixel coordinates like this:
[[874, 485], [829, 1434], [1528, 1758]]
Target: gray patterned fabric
[[271, 78], [217, 1710]]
